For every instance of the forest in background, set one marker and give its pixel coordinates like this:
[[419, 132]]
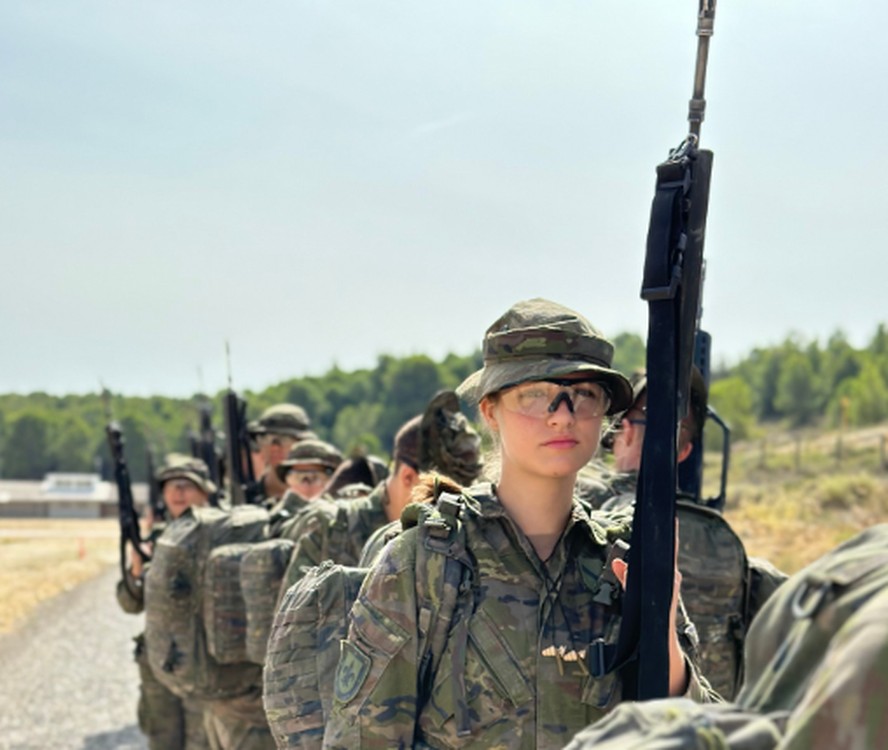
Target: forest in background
[[796, 384]]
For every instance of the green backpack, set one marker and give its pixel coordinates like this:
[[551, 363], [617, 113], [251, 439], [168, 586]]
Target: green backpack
[[715, 592], [789, 637], [261, 572], [312, 619], [194, 612], [673, 723]]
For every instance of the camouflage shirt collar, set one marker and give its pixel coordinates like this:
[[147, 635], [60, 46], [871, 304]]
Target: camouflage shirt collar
[[600, 527]]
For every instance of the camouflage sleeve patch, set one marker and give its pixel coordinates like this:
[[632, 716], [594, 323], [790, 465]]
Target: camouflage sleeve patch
[[377, 675], [351, 673]]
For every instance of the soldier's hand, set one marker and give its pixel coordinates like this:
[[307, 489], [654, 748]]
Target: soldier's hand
[[678, 676]]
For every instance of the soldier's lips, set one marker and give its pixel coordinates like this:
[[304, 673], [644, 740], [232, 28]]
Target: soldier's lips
[[562, 443]]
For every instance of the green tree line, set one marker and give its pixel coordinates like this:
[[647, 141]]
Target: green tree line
[[805, 383], [801, 382]]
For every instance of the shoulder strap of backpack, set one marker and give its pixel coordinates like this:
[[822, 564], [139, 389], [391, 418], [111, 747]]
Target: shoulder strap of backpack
[[446, 592]]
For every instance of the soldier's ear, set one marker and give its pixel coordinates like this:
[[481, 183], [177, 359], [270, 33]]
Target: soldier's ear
[[486, 408]]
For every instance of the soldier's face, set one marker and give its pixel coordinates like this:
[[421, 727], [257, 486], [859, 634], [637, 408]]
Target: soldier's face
[[307, 481], [181, 494], [556, 445], [273, 448]]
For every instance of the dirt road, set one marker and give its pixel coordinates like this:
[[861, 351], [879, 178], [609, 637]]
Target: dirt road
[[67, 677]]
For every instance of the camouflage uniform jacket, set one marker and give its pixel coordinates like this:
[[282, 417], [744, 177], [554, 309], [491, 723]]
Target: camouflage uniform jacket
[[284, 514], [518, 657], [334, 530]]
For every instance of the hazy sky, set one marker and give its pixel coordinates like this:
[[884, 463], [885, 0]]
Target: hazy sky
[[323, 182]]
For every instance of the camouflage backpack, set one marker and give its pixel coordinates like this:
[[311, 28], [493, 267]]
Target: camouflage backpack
[[261, 572], [673, 723], [799, 623], [312, 620], [193, 607], [714, 589]]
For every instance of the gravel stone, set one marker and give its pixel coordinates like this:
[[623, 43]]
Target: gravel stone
[[67, 675]]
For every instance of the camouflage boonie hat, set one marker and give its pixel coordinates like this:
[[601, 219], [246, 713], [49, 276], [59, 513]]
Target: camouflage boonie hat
[[283, 419], [537, 339], [183, 466], [360, 470], [447, 442], [310, 453]]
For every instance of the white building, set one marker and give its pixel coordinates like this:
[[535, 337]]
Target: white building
[[64, 496]]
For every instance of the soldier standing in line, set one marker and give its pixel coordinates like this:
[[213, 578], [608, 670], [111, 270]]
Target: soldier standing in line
[[305, 473], [277, 430], [723, 587], [541, 594], [441, 439], [337, 530], [167, 721]]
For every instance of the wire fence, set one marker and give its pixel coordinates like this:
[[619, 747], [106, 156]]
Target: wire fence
[[807, 453]]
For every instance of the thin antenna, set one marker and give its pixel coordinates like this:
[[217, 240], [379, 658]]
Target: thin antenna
[[106, 399], [228, 362]]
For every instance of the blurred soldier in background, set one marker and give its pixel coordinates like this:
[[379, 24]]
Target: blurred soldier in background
[[722, 587], [168, 722], [277, 430]]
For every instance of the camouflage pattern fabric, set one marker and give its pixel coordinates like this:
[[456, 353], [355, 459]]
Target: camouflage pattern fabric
[[722, 589], [304, 648], [538, 339], [518, 668], [224, 611], [261, 572], [819, 648], [283, 512], [816, 669], [174, 628], [378, 539], [167, 721], [764, 580], [714, 587], [596, 484], [334, 531], [447, 441], [674, 723], [238, 723], [303, 651], [131, 595]]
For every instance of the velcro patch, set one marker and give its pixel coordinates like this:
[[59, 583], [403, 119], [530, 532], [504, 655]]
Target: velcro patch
[[354, 666]]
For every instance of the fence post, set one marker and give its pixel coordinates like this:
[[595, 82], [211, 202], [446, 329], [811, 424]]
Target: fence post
[[798, 454], [882, 451]]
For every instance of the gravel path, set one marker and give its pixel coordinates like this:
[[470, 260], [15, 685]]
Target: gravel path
[[67, 677]]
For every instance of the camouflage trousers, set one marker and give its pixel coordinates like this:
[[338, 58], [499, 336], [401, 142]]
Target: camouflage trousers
[[167, 721], [238, 724]]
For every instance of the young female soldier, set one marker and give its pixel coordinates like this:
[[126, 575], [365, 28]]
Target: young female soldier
[[519, 666]]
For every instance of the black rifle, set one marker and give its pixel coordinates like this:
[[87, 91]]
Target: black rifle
[[129, 517], [671, 286], [155, 496], [203, 446], [243, 487], [690, 471]]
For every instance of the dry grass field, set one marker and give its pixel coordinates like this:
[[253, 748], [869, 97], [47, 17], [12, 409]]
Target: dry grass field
[[41, 557], [799, 500]]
